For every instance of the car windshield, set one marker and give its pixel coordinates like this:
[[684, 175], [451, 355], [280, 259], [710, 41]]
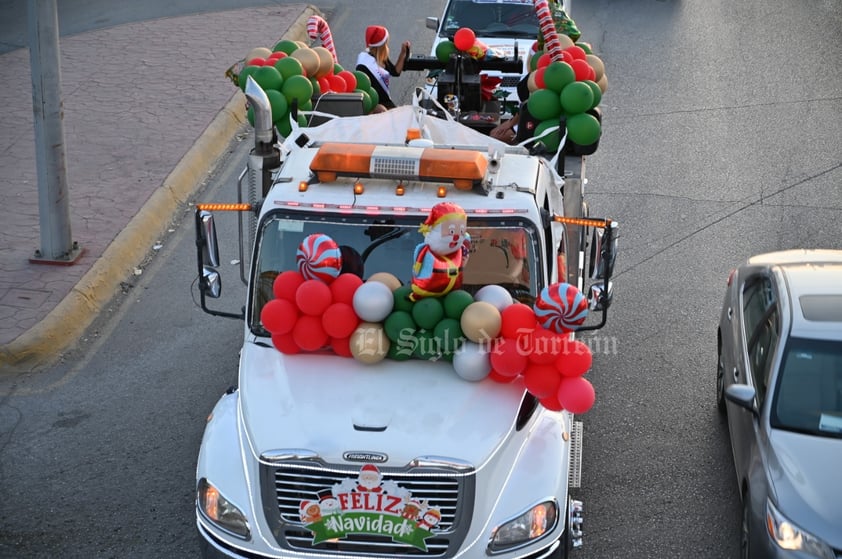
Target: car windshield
[[502, 252], [510, 18], [808, 397]]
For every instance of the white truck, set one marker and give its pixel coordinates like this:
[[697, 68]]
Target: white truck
[[315, 454]]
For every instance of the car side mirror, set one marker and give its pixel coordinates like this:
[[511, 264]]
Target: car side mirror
[[743, 395]]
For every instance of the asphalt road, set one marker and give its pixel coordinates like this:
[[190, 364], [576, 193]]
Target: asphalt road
[[721, 132]]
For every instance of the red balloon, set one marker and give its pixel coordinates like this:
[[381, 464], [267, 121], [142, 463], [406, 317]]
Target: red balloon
[[582, 69], [543, 60], [337, 84], [517, 320], [464, 38], [324, 84], [507, 359], [576, 52], [551, 402], [339, 320], [566, 57], [545, 346], [309, 334], [286, 284], [592, 76], [539, 78], [344, 286], [341, 346], [576, 394], [279, 316], [256, 62], [276, 55], [502, 379], [574, 360], [313, 297], [285, 344], [350, 79], [541, 380]]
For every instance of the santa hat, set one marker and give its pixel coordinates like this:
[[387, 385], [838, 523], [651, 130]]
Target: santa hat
[[376, 36], [439, 212], [370, 468]]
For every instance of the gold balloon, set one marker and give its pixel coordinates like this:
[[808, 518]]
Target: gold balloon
[[259, 52], [530, 83], [325, 62], [597, 65], [481, 322], [390, 280], [309, 60], [565, 41], [603, 83], [369, 343]]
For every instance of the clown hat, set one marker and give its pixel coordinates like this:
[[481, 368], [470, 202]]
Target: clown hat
[[442, 210], [376, 36]]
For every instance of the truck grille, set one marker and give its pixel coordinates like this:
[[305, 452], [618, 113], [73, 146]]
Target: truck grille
[[286, 485]]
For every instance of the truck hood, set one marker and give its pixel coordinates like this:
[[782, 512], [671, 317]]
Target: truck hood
[[330, 405]]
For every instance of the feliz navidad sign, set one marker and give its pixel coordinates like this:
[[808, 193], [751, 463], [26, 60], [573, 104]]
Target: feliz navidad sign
[[369, 505]]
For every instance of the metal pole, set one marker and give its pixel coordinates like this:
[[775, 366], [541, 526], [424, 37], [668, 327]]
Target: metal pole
[[57, 246]]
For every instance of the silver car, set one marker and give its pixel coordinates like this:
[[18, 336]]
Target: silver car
[[779, 380]]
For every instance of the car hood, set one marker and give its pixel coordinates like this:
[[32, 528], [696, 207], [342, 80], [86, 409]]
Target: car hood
[[330, 405], [804, 472]]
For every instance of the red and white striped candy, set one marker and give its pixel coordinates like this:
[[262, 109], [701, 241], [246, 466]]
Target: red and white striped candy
[[319, 257], [561, 307], [317, 27], [545, 21]]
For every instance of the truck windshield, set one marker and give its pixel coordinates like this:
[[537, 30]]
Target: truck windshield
[[507, 18], [503, 252]]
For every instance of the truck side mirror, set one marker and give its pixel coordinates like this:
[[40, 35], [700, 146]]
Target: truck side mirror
[[599, 298], [207, 236], [603, 252], [211, 284]]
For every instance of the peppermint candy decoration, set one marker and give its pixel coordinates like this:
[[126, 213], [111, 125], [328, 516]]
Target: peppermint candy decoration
[[319, 257], [317, 27], [561, 307], [548, 30]]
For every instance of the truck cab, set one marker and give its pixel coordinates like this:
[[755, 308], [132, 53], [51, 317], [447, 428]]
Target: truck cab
[[317, 454]]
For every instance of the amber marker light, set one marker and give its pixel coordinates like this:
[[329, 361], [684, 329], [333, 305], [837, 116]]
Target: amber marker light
[[442, 192], [358, 188], [399, 189], [224, 207], [303, 186], [583, 221]]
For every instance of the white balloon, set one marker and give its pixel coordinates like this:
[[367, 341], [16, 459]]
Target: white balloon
[[496, 295], [472, 362], [373, 301]]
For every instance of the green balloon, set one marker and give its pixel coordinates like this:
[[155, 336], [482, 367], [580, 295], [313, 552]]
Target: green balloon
[[297, 88], [242, 77], [401, 295], [597, 92], [583, 129], [427, 346], [550, 141], [533, 60], [456, 302], [576, 98], [279, 104], [289, 67], [585, 47], [267, 77], [337, 67], [448, 333], [285, 45], [427, 312], [367, 104], [399, 325], [285, 126], [544, 104], [402, 350], [363, 81], [557, 75], [375, 97], [444, 50], [317, 89]]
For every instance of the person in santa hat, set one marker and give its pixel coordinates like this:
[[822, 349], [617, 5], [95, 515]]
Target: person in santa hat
[[439, 259], [377, 65], [369, 479]]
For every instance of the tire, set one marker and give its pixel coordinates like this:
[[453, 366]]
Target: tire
[[720, 378]]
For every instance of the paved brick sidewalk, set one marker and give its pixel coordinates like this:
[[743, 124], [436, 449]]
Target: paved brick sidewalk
[[146, 111]]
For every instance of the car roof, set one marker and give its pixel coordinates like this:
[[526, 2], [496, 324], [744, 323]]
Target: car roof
[[814, 285]]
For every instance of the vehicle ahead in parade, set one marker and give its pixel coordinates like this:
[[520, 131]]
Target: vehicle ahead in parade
[[779, 379], [334, 446]]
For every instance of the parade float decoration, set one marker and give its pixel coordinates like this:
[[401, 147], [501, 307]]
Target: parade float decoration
[[486, 335]]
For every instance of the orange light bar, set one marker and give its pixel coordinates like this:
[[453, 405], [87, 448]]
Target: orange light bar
[[462, 167], [583, 221], [224, 207]]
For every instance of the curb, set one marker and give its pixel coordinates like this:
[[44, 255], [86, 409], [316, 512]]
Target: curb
[[44, 343]]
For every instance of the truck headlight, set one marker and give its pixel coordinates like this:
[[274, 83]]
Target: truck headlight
[[529, 526], [220, 511], [789, 536]]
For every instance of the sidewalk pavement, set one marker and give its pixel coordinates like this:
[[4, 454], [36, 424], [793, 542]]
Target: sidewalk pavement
[[147, 111]]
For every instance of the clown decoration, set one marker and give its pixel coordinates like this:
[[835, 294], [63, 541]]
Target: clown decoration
[[439, 259]]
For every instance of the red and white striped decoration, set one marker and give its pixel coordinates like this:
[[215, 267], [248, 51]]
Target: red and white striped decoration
[[552, 46], [317, 28]]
